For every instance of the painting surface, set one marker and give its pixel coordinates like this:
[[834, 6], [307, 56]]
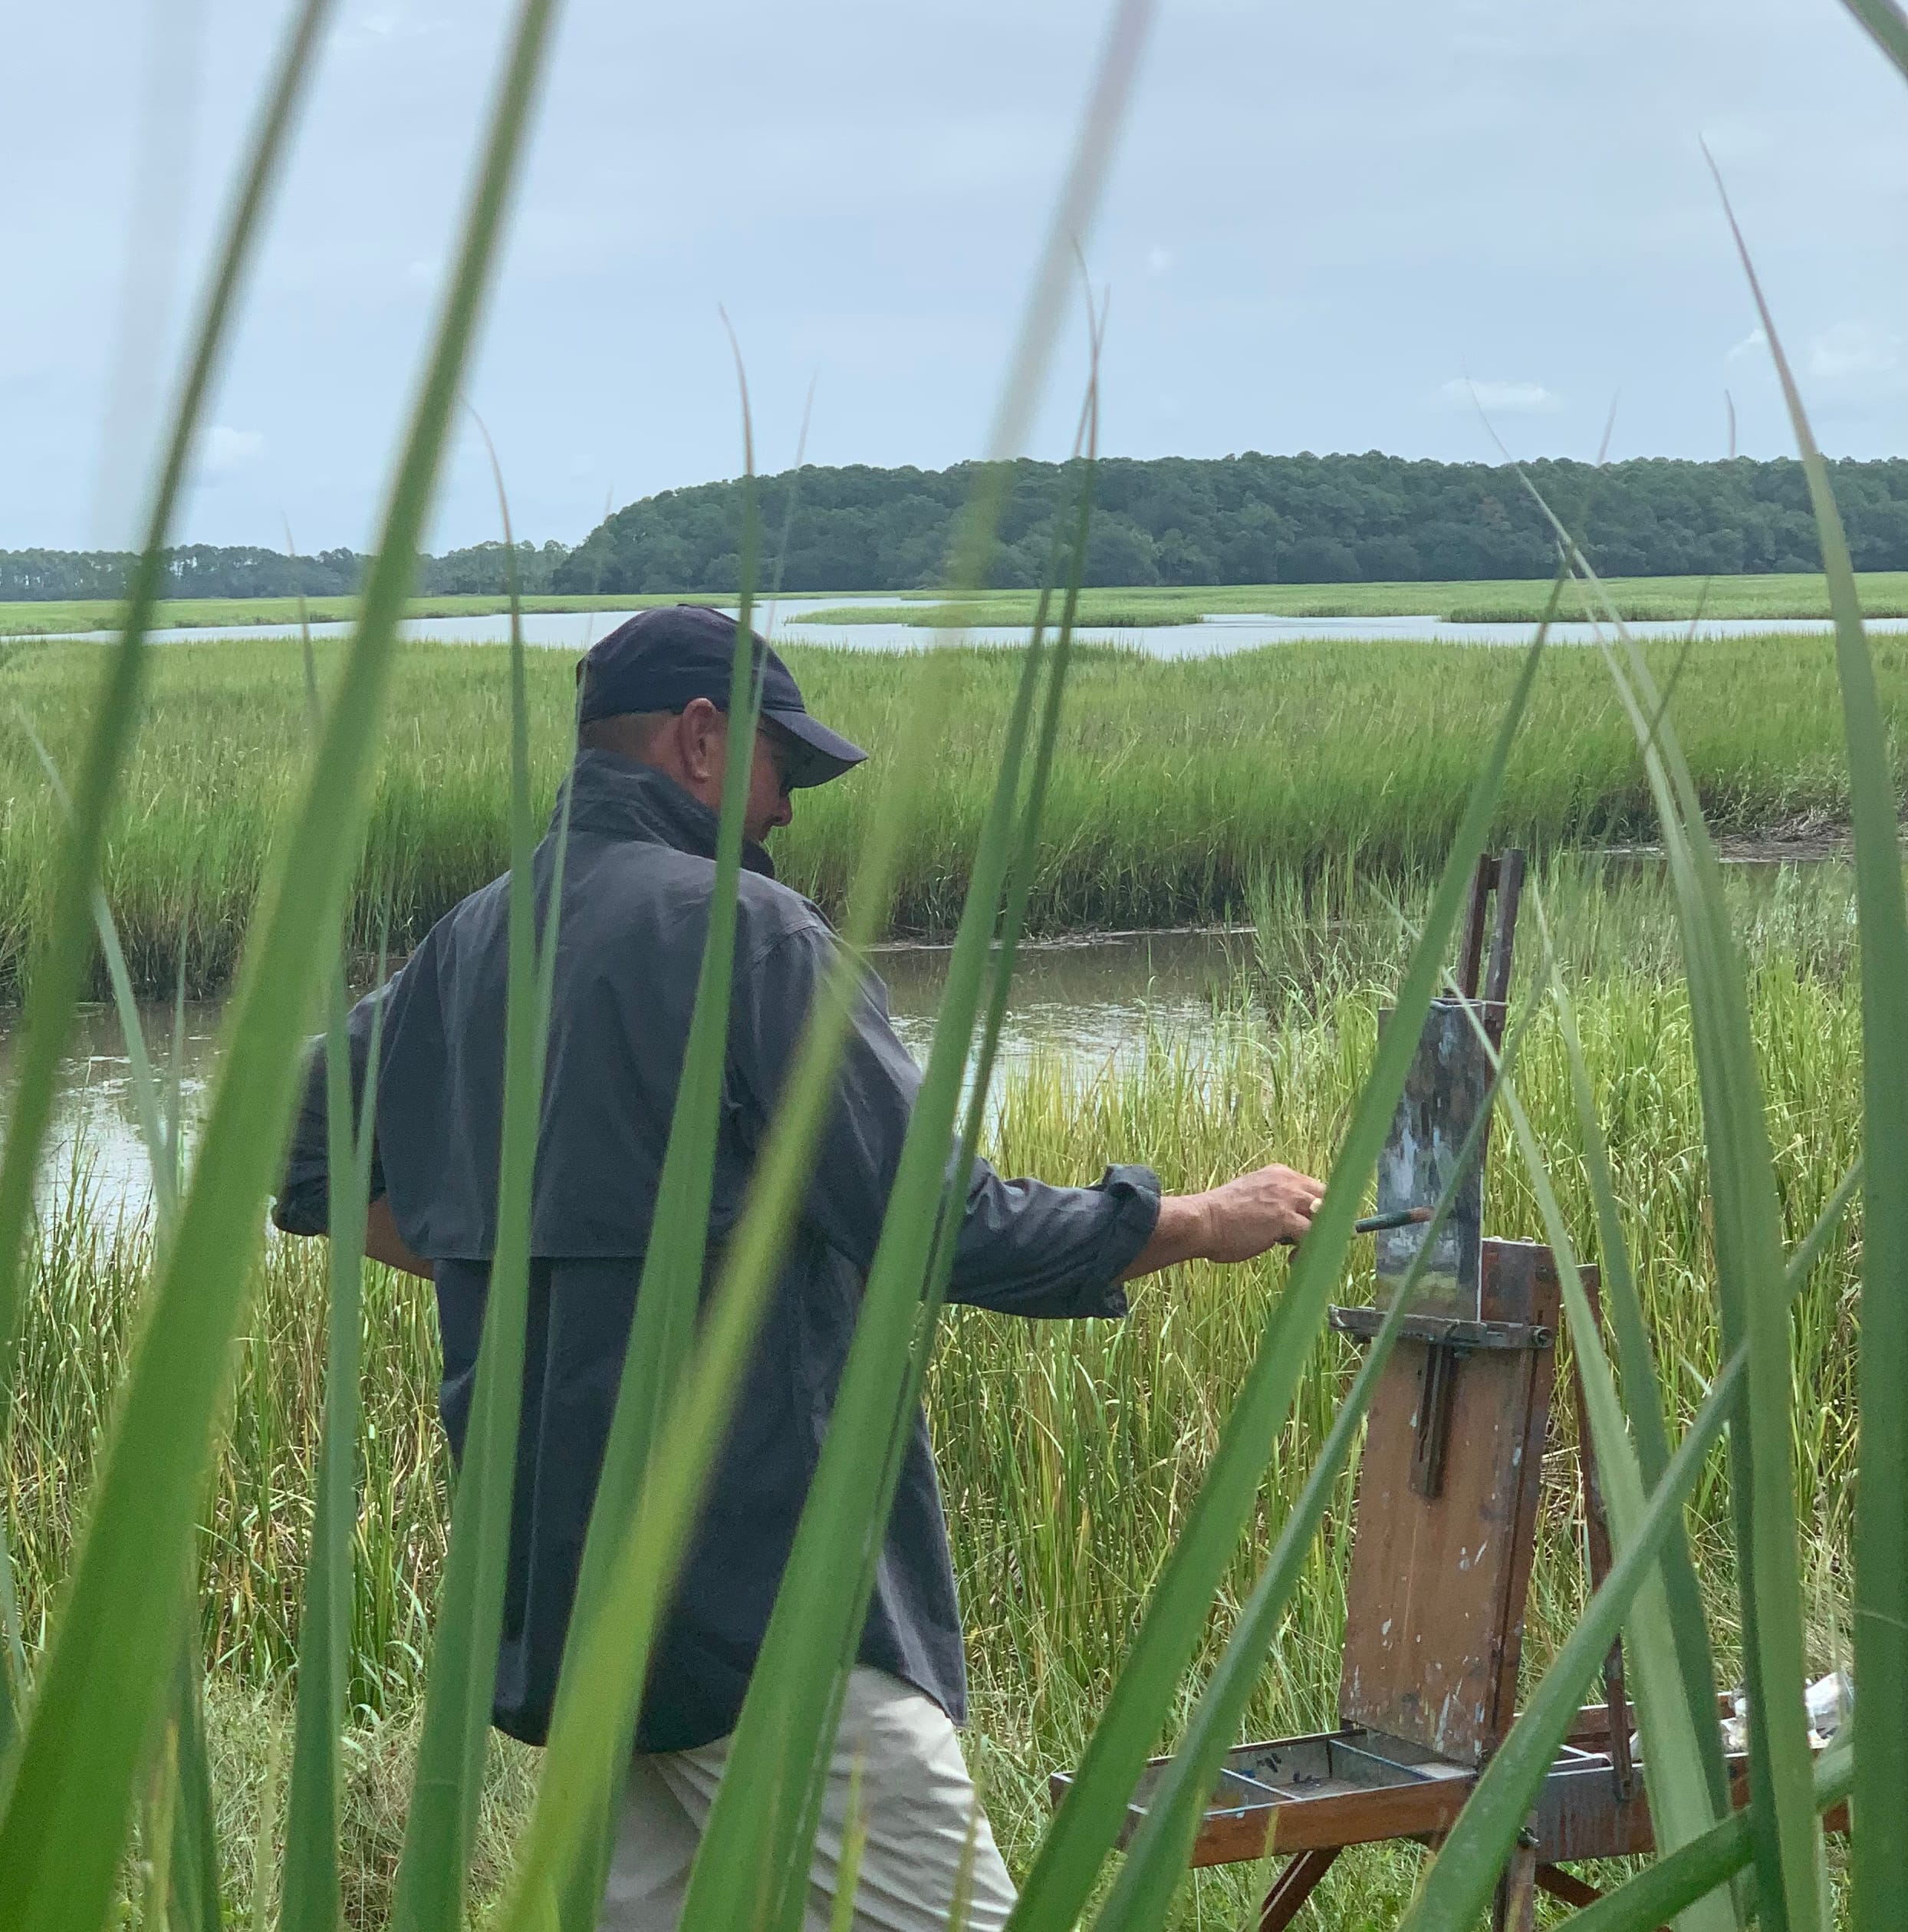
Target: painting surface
[[1449, 1078]]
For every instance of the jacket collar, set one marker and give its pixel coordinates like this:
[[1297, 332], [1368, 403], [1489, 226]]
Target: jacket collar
[[615, 797]]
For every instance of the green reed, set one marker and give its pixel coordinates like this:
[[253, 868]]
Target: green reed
[[1070, 1453], [1177, 788], [1748, 1338], [1884, 593]]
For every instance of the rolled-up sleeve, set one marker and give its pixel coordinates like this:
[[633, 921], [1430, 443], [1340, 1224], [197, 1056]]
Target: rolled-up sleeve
[[1029, 1249], [1025, 1248], [304, 1202]]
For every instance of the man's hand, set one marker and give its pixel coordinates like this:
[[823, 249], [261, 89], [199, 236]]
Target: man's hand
[[383, 1242], [1236, 1221]]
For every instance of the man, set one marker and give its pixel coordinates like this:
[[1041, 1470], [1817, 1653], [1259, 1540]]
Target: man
[[653, 741]]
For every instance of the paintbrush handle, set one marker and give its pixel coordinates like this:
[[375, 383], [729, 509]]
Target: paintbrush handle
[[1403, 1217]]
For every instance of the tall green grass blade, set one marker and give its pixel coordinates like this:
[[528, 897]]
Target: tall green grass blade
[[1881, 1513], [1809, 1250], [13, 1658], [107, 1663], [1461, 1878], [854, 1842], [753, 1837], [663, 1329], [1681, 1805], [1663, 1887], [1642, 1394], [1143, 1894], [258, 1917], [669, 1290], [1887, 25], [1090, 1817], [158, 1834], [609, 1651], [612, 1651], [786, 1879], [310, 1896], [193, 1898], [1749, 1271], [440, 1831], [60, 970], [1754, 1305]]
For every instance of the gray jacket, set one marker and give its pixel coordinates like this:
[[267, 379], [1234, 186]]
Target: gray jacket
[[638, 878]]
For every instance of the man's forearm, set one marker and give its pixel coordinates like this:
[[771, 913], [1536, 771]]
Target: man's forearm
[[1234, 1221], [1182, 1233]]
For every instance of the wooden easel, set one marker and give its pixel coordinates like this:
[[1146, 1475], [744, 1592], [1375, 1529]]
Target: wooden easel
[[1445, 1514]]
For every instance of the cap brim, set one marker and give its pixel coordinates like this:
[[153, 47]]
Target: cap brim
[[820, 754]]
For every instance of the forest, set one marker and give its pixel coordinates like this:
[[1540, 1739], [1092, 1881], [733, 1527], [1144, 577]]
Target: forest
[[199, 570], [1174, 520], [1253, 519]]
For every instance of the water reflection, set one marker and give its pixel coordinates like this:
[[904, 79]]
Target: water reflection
[[1094, 1002], [1216, 634]]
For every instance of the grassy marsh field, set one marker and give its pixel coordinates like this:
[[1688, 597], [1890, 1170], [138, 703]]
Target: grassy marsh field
[[1069, 1453], [1884, 594], [1178, 789]]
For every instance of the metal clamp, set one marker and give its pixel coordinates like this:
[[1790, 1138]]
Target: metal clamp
[[1443, 1331]]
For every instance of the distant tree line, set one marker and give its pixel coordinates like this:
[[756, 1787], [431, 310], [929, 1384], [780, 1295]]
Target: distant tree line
[[212, 570], [1252, 519], [1246, 519]]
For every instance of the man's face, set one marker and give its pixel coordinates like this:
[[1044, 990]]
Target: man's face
[[692, 747], [769, 784]]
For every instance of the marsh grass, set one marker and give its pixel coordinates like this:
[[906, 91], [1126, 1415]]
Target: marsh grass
[[1719, 1206], [59, 617], [1884, 593], [1177, 788], [1070, 1453]]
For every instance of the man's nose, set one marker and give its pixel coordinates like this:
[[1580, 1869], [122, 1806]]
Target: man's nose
[[784, 812]]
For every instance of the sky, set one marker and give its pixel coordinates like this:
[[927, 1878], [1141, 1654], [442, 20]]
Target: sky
[[1326, 228]]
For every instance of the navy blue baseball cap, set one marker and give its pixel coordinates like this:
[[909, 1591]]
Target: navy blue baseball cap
[[660, 660]]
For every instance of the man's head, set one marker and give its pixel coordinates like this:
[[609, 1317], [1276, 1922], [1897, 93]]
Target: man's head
[[656, 689]]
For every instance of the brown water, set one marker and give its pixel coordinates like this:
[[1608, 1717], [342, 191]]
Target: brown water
[[1092, 1002]]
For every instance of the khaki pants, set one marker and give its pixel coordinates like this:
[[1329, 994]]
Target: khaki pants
[[916, 1801]]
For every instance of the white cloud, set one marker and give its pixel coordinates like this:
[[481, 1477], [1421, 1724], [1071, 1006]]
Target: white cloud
[[223, 452], [365, 28], [1857, 353], [1754, 344], [1158, 261], [1500, 398]]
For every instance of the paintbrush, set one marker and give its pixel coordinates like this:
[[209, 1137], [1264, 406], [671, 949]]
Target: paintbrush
[[1403, 1217]]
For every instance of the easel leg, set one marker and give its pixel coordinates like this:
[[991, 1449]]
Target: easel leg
[[1292, 1888], [1515, 1910], [1567, 1886]]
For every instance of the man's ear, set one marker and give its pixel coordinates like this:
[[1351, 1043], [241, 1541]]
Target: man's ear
[[701, 730]]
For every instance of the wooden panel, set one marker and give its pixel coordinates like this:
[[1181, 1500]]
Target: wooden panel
[[1434, 1626]]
